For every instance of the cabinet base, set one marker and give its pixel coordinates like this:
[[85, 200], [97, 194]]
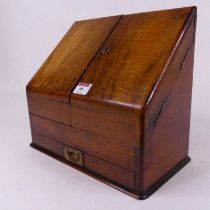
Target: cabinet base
[[164, 178], [142, 195]]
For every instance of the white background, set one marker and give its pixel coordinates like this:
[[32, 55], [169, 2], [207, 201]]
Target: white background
[[30, 180]]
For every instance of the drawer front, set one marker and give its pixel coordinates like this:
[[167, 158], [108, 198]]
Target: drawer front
[[104, 148], [69, 153], [111, 172]]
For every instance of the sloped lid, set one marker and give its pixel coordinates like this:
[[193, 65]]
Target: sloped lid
[[126, 70], [122, 57], [64, 67]]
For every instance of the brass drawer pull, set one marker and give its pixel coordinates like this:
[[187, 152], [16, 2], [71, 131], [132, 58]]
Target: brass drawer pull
[[73, 155]]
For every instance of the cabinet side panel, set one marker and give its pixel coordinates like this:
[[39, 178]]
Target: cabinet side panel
[[169, 136]]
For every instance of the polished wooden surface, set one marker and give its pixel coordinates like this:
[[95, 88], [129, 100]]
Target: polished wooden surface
[[92, 163], [45, 106], [110, 171], [126, 77], [47, 143], [140, 47], [168, 142], [61, 71], [107, 121], [49, 89], [166, 132], [106, 148], [133, 124]]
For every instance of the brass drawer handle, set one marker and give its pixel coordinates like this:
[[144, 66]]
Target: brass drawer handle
[[73, 155]]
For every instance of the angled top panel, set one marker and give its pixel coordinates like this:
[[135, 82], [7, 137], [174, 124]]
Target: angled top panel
[[132, 59], [63, 68]]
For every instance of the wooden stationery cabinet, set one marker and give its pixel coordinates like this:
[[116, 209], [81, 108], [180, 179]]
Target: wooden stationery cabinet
[[113, 99]]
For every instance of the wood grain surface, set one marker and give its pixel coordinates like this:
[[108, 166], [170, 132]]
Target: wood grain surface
[[168, 141], [110, 171], [106, 148], [99, 166], [125, 78], [63, 68], [140, 47], [45, 106]]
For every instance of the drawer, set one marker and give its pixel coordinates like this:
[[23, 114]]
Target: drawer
[[102, 147], [68, 153], [107, 170], [110, 171]]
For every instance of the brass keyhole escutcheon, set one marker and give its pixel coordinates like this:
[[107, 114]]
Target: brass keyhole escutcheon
[[106, 49], [73, 155]]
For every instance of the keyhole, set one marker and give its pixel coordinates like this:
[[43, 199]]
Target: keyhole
[[106, 49]]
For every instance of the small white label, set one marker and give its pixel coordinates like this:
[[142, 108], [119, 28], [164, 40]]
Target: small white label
[[82, 88]]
